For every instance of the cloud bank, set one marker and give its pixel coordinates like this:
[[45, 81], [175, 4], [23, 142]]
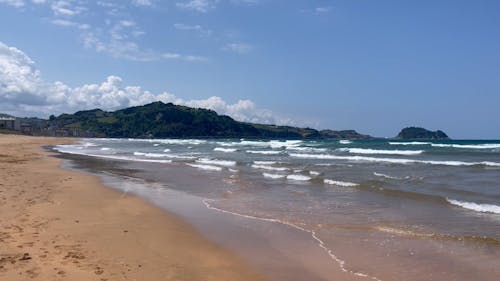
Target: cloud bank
[[24, 93]]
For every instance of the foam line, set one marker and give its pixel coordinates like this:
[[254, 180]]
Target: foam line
[[313, 234]]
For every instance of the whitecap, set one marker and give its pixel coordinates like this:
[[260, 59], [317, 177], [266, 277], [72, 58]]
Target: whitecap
[[298, 178], [483, 208], [380, 151], [273, 176], [410, 143], [226, 163], [392, 160], [469, 146], [227, 150], [206, 167], [385, 176], [265, 167], [345, 141], [340, 183], [265, 152]]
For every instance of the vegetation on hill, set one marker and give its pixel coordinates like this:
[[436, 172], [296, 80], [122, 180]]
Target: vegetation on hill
[[160, 120]]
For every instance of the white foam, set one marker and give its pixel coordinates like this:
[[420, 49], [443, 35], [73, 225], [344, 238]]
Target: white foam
[[313, 234], [273, 176], [314, 173], [151, 155], [62, 149], [105, 149], [298, 177], [345, 141], [265, 152], [392, 160], [172, 141], [166, 150], [340, 183], [410, 143], [228, 150], [469, 146], [270, 168], [206, 167], [156, 144], [385, 176], [381, 151], [226, 163], [265, 162], [307, 149], [483, 208]]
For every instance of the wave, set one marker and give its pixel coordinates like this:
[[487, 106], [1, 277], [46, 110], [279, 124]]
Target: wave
[[298, 178], [226, 163], [206, 167], [314, 173], [113, 157], [469, 146], [166, 150], [273, 176], [171, 141], [410, 143], [265, 152], [265, 162], [387, 176], [381, 151], [393, 160], [228, 150], [345, 141], [152, 155], [106, 149], [307, 149], [271, 144], [340, 183], [483, 208], [265, 167]]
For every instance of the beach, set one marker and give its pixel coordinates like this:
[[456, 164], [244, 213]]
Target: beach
[[57, 224]]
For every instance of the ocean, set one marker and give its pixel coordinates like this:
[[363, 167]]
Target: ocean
[[374, 209]]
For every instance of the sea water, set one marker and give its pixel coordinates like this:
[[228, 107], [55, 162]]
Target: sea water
[[377, 209]]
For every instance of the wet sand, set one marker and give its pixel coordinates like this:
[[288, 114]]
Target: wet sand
[[57, 224]]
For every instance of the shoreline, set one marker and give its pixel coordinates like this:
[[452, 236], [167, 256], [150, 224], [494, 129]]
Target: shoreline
[[58, 224]]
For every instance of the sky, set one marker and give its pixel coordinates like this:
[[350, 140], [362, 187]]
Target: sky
[[372, 66]]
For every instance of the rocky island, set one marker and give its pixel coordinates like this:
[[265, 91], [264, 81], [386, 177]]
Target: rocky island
[[412, 133]]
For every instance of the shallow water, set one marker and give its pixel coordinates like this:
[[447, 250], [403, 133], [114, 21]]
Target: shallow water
[[389, 209]]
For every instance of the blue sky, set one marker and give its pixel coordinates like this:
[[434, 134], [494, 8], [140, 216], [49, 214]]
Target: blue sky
[[373, 66]]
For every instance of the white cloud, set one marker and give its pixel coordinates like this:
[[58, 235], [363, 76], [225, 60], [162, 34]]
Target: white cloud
[[320, 10], [13, 3], [201, 6], [66, 8], [196, 28], [240, 48], [23, 92], [144, 3]]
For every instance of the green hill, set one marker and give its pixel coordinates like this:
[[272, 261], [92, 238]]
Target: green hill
[[159, 120]]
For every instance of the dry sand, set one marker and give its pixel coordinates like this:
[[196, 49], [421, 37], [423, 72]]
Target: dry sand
[[57, 224]]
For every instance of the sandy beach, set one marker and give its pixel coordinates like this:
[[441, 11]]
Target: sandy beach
[[57, 224]]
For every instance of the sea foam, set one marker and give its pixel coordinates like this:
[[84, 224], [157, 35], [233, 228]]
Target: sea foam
[[226, 163], [265, 152], [381, 151], [469, 146], [227, 150], [298, 178], [206, 167], [339, 183], [265, 167], [483, 208], [393, 160], [273, 176], [410, 143]]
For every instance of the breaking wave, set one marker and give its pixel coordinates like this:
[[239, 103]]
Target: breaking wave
[[483, 208], [379, 151]]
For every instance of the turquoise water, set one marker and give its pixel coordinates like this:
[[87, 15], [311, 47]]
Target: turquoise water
[[422, 204]]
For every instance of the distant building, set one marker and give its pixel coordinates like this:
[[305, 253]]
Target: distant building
[[10, 123]]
